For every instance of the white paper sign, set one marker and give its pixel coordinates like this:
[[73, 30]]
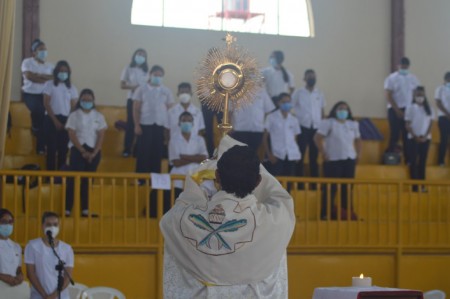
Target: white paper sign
[[160, 181]]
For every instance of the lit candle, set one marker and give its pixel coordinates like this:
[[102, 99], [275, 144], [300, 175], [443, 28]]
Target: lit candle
[[362, 281]]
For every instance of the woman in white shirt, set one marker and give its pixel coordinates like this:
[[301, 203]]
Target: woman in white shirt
[[276, 78], [339, 141], [41, 261], [442, 96], [418, 121], [60, 97], [10, 252], [86, 127], [36, 71], [134, 75]]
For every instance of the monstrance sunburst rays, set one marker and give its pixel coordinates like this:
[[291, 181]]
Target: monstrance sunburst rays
[[227, 75]]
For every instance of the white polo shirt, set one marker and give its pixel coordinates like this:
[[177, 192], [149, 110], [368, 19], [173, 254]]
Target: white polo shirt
[[442, 94], [402, 87], [31, 65], [10, 257], [308, 106], [174, 116], [339, 138], [86, 126], [283, 133], [274, 81], [44, 261], [420, 120], [251, 118], [155, 100], [178, 145], [60, 97], [134, 76]]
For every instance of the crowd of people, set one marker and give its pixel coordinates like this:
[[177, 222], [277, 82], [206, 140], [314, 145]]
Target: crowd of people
[[286, 121]]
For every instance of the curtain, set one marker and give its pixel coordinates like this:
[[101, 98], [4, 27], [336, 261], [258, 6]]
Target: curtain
[[7, 13]]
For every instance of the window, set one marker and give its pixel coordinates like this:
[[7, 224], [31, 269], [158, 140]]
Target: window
[[278, 17]]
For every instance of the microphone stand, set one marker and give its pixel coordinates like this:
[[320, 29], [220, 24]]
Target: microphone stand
[[60, 268]]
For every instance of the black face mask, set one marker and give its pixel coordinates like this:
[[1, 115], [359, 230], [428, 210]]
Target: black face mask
[[311, 82]]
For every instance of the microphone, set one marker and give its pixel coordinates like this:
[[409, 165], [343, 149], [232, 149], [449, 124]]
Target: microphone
[[49, 236]]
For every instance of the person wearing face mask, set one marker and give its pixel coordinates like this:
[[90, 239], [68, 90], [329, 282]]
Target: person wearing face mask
[[151, 102], [276, 78], [134, 75], [60, 98], [86, 127], [10, 260], [339, 141], [442, 96], [248, 122], [36, 71], [399, 88], [186, 149], [41, 261], [283, 129], [309, 104], [419, 119], [184, 95]]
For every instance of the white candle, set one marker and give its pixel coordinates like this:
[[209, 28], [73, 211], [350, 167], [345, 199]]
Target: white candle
[[362, 281]]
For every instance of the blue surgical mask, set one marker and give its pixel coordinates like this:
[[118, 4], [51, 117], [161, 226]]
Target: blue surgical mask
[[156, 80], [273, 62], [186, 127], [86, 105], [63, 76], [42, 55], [342, 114], [447, 84], [286, 107], [403, 72], [6, 230], [139, 59]]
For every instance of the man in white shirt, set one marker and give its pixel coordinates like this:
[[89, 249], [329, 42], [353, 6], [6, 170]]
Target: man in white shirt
[[41, 261], [150, 104], [442, 96], [399, 88], [248, 122], [309, 105], [185, 105], [232, 245]]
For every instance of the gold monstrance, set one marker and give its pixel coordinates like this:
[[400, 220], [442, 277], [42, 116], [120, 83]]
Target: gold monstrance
[[227, 74]]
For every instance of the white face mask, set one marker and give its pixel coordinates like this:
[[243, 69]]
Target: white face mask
[[184, 98], [53, 229], [420, 100]]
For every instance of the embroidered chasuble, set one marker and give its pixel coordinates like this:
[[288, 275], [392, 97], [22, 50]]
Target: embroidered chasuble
[[220, 246]]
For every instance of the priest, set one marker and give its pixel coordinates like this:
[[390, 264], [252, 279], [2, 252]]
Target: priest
[[227, 234]]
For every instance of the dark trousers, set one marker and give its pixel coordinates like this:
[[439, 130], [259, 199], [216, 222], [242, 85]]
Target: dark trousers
[[444, 130], [129, 130], [337, 169], [149, 149], [306, 140], [208, 116], [418, 153], [78, 163], [252, 139], [397, 127], [166, 201], [35, 103], [57, 141]]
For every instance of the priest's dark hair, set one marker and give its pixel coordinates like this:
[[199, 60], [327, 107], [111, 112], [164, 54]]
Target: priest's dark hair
[[238, 170]]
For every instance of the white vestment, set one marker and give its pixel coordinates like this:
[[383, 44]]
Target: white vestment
[[228, 247]]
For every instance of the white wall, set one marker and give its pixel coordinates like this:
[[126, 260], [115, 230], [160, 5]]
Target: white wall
[[427, 41], [350, 51]]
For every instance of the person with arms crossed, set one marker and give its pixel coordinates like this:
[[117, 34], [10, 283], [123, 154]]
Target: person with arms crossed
[[41, 261], [232, 245], [399, 88]]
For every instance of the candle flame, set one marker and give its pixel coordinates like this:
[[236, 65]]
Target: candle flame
[[361, 276]]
